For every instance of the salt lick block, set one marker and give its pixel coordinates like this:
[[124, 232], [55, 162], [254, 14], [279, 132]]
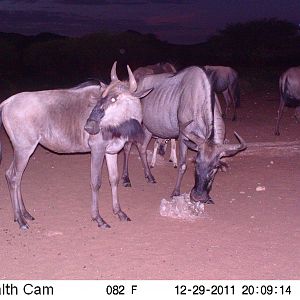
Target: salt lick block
[[181, 207]]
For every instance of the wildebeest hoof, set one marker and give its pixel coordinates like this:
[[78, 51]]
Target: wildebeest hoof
[[22, 223], [175, 193], [151, 179], [209, 201], [23, 226], [122, 216], [28, 216], [126, 182], [104, 226], [101, 223]]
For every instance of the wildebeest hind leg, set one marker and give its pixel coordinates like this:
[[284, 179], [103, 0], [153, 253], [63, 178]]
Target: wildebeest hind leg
[[112, 166], [14, 176], [233, 101], [143, 154], [125, 175], [227, 99]]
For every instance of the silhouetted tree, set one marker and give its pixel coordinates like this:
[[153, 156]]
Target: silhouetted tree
[[257, 42]]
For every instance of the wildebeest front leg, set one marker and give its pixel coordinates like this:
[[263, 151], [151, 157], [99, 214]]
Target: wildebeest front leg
[[181, 166], [173, 155], [279, 115], [97, 157], [233, 101], [14, 176], [154, 155], [112, 166], [227, 98], [125, 175], [143, 154]]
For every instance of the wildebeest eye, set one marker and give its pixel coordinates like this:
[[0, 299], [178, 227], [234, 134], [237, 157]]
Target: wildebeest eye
[[113, 99]]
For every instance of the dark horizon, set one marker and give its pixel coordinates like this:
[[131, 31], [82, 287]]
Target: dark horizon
[[176, 22]]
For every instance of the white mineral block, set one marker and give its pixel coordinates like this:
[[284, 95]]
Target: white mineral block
[[181, 207]]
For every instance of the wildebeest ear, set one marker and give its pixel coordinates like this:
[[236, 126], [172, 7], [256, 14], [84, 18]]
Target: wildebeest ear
[[142, 94], [103, 86], [191, 145]]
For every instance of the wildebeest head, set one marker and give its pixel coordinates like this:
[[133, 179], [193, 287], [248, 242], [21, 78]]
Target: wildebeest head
[[207, 162], [119, 104], [162, 146]]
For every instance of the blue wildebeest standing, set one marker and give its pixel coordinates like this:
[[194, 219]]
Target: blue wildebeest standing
[[160, 145], [225, 80], [183, 106], [56, 119], [289, 89]]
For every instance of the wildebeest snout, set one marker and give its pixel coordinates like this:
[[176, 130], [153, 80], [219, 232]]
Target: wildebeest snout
[[92, 127], [200, 197], [161, 149], [92, 123]]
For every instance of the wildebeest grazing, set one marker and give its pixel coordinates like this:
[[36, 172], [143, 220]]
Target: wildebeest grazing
[[289, 90], [225, 80], [183, 106], [57, 119], [160, 146]]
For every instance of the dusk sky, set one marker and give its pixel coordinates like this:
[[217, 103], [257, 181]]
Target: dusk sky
[[181, 22]]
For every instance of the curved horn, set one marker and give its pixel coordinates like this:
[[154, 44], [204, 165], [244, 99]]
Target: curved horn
[[190, 135], [113, 73], [132, 81], [230, 150]]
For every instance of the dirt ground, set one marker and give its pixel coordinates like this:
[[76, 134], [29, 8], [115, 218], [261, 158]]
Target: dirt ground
[[247, 234]]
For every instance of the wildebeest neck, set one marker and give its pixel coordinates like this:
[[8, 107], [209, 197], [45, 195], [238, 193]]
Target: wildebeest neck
[[130, 129]]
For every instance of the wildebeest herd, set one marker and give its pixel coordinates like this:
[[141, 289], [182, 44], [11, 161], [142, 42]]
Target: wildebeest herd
[[156, 101]]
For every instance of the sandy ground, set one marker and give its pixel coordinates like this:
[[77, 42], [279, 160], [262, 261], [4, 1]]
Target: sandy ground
[[247, 234]]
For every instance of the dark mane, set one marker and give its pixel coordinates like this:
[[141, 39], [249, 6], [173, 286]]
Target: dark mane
[[89, 82]]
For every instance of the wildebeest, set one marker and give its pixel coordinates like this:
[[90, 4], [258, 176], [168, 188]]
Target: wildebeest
[[289, 89], [225, 80], [56, 119], [183, 106], [158, 68], [159, 144], [160, 147]]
